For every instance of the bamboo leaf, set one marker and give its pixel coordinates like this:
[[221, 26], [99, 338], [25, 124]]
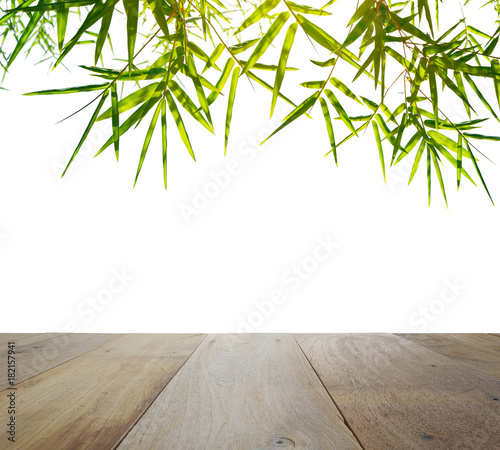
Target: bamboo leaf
[[416, 162], [258, 14], [329, 128], [438, 172], [344, 89], [478, 171], [62, 21], [379, 145], [103, 34], [459, 161], [199, 89], [71, 90], [87, 130], [266, 40], [147, 140], [115, 119], [159, 15], [296, 113], [164, 139], [340, 110], [180, 124], [307, 9], [280, 74], [130, 101], [230, 103], [132, 12]]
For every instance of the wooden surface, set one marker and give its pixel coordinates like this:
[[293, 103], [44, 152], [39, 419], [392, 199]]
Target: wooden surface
[[399, 395], [250, 391], [254, 391], [40, 352], [482, 351]]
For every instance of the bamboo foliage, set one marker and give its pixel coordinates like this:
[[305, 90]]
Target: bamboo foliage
[[203, 56]]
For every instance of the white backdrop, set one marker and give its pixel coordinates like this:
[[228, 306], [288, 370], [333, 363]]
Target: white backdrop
[[270, 238]]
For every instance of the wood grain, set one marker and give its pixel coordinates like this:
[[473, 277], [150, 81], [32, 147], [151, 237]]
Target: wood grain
[[36, 353], [92, 401], [481, 351], [248, 391], [396, 394]]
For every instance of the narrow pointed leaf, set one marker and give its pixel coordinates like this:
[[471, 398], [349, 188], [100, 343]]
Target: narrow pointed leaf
[[280, 73], [266, 40], [132, 12], [258, 14], [87, 130], [340, 110], [329, 127], [147, 140], [62, 21], [115, 119], [230, 103], [379, 145], [164, 138], [180, 124]]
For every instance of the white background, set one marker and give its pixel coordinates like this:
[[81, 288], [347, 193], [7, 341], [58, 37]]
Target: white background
[[63, 241]]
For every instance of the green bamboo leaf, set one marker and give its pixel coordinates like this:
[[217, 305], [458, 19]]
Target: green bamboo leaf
[[447, 81], [230, 103], [401, 129], [344, 89], [241, 47], [266, 40], [459, 161], [62, 21], [103, 34], [115, 119], [132, 12], [214, 57], [491, 46], [429, 174], [461, 87], [438, 172], [71, 90], [180, 124], [405, 25], [199, 89], [159, 15], [329, 128], [130, 101], [313, 84], [164, 139], [147, 140], [325, 40], [480, 95], [136, 116], [416, 162], [434, 95], [296, 113], [361, 11], [280, 74], [189, 105], [340, 110], [30, 27], [307, 9], [269, 88], [379, 145], [361, 27], [270, 67], [222, 81], [495, 67], [87, 130], [11, 13], [97, 12], [481, 136], [478, 171], [258, 14]]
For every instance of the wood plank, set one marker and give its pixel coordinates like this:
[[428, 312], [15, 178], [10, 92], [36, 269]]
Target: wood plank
[[93, 400], [481, 351], [396, 394], [247, 391], [36, 353]]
